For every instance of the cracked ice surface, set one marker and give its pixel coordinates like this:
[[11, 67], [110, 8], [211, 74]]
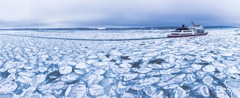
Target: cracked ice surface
[[32, 66]]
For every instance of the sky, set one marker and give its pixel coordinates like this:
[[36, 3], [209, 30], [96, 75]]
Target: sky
[[118, 13]]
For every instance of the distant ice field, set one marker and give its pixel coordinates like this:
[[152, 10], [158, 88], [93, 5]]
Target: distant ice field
[[119, 64], [88, 34]]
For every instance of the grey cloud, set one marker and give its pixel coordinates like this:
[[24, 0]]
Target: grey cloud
[[78, 13]]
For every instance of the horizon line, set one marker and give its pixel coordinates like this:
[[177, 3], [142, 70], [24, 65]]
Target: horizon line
[[108, 28]]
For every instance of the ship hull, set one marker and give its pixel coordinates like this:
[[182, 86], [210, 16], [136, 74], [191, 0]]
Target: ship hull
[[175, 36]]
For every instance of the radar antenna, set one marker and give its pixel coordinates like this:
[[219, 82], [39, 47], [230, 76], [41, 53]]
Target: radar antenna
[[193, 24]]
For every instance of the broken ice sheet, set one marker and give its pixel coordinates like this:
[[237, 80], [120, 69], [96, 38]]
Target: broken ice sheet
[[205, 66]]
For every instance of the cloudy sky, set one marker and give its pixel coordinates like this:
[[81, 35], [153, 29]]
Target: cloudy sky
[[117, 13]]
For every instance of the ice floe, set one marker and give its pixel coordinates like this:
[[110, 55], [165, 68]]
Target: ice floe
[[81, 66], [144, 70], [65, 69], [150, 81], [196, 66], [203, 91], [208, 80], [179, 93], [131, 76], [233, 83], [209, 68], [7, 86], [79, 91], [128, 95], [221, 92]]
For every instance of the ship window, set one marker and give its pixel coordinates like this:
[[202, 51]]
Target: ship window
[[178, 31], [200, 30]]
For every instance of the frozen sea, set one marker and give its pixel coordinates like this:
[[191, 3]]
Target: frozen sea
[[119, 64]]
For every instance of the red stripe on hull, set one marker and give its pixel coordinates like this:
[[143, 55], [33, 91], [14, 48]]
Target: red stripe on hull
[[186, 35]]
